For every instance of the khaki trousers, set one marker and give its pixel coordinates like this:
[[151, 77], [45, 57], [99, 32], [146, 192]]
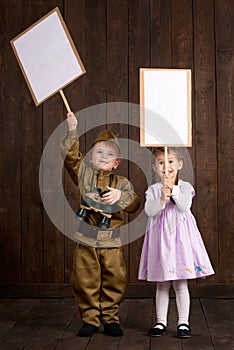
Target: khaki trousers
[[99, 281]]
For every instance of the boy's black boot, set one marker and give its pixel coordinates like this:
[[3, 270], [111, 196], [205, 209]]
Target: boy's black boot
[[113, 329], [87, 330]]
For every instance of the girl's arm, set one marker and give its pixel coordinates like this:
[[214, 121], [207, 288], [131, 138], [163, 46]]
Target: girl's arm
[[183, 196], [152, 205]]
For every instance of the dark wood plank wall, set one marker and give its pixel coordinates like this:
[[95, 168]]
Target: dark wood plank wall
[[139, 56], [205, 125], [114, 39]]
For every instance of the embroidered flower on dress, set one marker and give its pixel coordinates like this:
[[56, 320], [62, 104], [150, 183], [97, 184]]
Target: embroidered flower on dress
[[188, 270], [198, 269]]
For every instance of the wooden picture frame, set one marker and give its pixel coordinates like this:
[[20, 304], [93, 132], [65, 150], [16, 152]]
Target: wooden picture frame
[[165, 99], [47, 56]]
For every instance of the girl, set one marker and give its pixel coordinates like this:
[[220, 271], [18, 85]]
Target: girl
[[173, 250]]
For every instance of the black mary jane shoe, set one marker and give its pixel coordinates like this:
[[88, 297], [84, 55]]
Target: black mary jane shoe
[[113, 329], [183, 331], [157, 331], [87, 330]]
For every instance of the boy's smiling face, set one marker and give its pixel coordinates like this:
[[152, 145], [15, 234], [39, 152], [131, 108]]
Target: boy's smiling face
[[174, 165], [104, 156]]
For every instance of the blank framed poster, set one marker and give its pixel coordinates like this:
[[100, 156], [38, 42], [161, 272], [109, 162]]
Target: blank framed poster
[[165, 99], [47, 56]]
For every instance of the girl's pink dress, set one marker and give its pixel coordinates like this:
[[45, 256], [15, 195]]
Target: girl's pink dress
[[173, 248]]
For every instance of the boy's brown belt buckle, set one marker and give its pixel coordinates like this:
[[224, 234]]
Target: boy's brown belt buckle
[[104, 235]]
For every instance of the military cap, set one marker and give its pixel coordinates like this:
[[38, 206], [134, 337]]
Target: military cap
[[107, 135]]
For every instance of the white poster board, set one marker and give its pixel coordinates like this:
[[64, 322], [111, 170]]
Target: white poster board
[[165, 97], [47, 56]]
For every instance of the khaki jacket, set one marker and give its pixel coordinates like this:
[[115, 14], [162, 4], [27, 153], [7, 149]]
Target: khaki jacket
[[86, 178]]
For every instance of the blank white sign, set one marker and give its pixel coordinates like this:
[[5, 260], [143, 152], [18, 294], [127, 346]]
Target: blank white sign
[[47, 56], [165, 97]]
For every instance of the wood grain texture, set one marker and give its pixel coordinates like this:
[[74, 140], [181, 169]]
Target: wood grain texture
[[139, 56], [134, 290], [115, 39], [117, 83], [161, 35], [53, 324], [74, 16], [32, 217], [224, 17], [205, 127], [223, 340], [96, 65], [10, 154]]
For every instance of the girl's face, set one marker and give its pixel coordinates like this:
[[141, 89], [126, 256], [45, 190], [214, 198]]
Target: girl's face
[[174, 164], [104, 156]]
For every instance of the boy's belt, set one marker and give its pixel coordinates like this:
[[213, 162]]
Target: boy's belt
[[102, 235]]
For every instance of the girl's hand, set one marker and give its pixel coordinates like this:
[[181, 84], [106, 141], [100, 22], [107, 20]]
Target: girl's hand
[[165, 193], [112, 196], [71, 121], [168, 181]]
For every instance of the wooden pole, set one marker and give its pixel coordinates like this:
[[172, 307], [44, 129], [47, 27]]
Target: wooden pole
[[65, 100], [166, 160]]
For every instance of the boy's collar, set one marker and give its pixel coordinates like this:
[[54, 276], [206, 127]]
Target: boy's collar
[[104, 173]]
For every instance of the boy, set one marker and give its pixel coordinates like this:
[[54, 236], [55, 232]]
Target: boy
[[99, 275]]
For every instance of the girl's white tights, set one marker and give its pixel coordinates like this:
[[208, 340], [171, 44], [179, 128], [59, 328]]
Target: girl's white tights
[[182, 300]]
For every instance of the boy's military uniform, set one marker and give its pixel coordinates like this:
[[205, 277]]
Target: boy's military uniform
[[99, 275]]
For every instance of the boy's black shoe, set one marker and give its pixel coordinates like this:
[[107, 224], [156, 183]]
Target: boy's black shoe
[[158, 330], [113, 329], [87, 330], [183, 331]]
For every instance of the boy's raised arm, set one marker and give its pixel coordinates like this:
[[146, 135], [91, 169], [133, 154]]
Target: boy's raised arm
[[70, 148]]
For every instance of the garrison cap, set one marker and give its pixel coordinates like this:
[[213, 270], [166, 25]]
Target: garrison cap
[[107, 135]]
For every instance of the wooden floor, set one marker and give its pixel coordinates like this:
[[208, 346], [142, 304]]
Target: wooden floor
[[37, 324]]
